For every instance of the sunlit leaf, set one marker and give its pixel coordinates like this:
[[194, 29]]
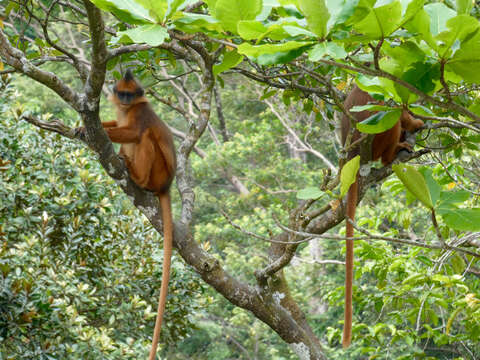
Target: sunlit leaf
[[310, 193], [379, 122], [414, 182], [317, 15], [153, 35], [348, 174]]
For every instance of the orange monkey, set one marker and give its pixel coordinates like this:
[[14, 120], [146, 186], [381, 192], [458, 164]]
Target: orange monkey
[[385, 146], [149, 153]]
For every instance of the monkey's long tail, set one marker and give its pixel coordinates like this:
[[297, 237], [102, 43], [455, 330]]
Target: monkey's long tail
[[351, 207], [167, 259]]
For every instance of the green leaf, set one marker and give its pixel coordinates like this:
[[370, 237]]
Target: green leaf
[[128, 11], [466, 61], [460, 27], [439, 14], [230, 59], [379, 122], [230, 12], [317, 15], [296, 31], [449, 200], [251, 29], [310, 192], [153, 35], [464, 6], [348, 175], [381, 21], [423, 75], [404, 54], [257, 50], [369, 107], [463, 219], [331, 49], [157, 8], [433, 186], [414, 182], [282, 57], [192, 23], [340, 11], [174, 6]]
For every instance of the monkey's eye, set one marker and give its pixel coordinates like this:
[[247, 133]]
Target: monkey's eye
[[125, 96]]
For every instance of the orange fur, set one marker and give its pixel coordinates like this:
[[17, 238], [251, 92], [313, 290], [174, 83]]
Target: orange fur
[[148, 149], [385, 146]]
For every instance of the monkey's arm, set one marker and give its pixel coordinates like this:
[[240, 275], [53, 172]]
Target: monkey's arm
[[123, 135], [109, 124]]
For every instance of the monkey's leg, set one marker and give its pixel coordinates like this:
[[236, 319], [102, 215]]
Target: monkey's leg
[[141, 167]]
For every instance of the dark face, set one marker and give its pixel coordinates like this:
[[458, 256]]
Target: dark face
[[127, 96]]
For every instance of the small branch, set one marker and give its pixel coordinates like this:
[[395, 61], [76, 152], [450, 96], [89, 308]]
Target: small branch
[[442, 80], [437, 229], [376, 53], [16, 59], [55, 126]]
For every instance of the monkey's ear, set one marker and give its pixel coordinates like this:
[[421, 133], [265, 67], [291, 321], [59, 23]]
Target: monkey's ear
[[128, 75], [140, 91]]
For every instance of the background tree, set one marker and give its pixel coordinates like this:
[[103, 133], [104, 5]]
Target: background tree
[[258, 198]]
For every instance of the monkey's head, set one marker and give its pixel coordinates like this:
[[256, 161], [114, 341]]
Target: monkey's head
[[127, 91]]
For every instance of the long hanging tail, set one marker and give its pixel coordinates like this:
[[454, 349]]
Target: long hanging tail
[[351, 207], [167, 259]]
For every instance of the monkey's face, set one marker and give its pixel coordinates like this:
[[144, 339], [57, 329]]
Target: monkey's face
[[126, 92]]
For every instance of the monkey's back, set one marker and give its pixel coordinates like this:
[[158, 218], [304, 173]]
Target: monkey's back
[[157, 132]]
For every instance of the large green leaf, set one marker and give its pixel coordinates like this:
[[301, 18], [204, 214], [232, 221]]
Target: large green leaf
[[423, 75], [381, 21], [340, 11], [296, 31], [434, 187], [379, 122], [466, 60], [405, 53], [463, 219], [464, 6], [420, 24], [449, 200], [439, 14], [128, 11], [251, 29], [348, 174], [414, 182], [257, 50], [193, 23], [230, 12], [323, 49], [157, 8], [230, 59], [459, 27], [413, 7], [317, 15], [370, 107], [281, 57], [311, 192], [153, 35]]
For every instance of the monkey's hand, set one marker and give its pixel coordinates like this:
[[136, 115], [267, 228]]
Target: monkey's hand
[[81, 133], [405, 146]]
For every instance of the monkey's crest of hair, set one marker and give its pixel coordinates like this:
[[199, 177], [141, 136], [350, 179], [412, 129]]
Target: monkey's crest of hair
[[128, 76]]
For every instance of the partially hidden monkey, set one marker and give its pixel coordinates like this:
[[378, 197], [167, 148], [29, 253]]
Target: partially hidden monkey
[[385, 146], [149, 153]]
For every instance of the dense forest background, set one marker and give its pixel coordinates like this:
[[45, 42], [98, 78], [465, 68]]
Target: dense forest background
[[253, 92]]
